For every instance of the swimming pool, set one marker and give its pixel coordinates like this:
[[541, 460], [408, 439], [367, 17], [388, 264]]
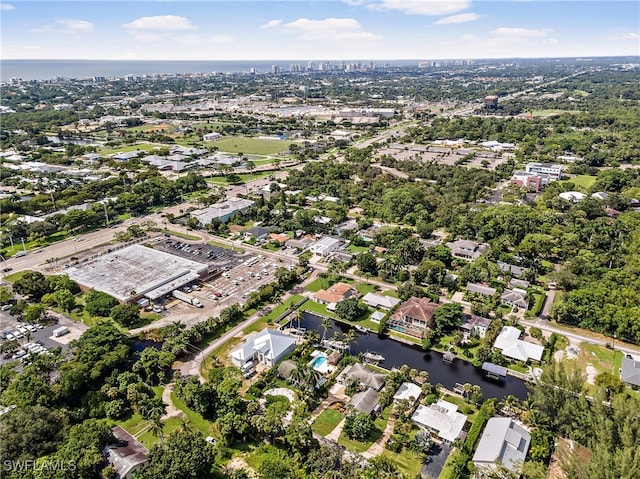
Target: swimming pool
[[319, 362]]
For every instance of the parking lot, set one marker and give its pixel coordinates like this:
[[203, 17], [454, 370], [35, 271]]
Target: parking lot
[[241, 274], [36, 339]]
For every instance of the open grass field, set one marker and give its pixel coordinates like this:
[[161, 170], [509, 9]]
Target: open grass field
[[249, 145], [551, 112], [138, 147], [194, 418], [584, 181], [222, 180]]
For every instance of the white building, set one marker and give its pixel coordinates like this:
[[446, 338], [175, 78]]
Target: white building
[[223, 211], [408, 391], [442, 419], [325, 246], [380, 301], [509, 342], [554, 170], [267, 347], [502, 441]]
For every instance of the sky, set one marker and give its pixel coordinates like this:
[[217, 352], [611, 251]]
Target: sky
[[317, 30]]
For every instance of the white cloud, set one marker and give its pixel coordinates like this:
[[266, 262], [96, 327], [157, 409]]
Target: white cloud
[[205, 40], [271, 24], [460, 18], [6, 6], [159, 24], [329, 30], [422, 7], [75, 26], [625, 36], [66, 27], [514, 32]]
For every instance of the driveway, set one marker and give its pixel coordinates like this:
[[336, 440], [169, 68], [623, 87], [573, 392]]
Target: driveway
[[435, 462]]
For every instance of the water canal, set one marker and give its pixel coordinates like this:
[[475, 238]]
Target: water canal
[[396, 354]]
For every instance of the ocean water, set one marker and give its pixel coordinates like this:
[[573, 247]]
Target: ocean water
[[48, 69]]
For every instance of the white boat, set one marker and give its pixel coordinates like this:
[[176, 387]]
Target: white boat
[[361, 329], [373, 357]]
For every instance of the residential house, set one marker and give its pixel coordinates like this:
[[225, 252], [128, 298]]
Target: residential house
[[380, 301], [573, 196], [279, 238], [503, 441], [467, 249], [363, 375], [346, 227], [408, 392], [474, 326], [127, 456], [377, 316], [481, 289], [301, 244], [413, 317], [267, 347], [335, 293], [515, 298], [258, 232], [518, 284], [509, 342], [370, 233], [512, 269], [325, 246], [630, 371], [365, 401], [441, 419]]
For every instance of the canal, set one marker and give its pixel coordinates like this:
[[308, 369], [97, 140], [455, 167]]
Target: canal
[[396, 354]]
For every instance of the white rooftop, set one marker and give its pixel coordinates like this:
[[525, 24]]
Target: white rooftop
[[511, 346], [407, 391], [502, 440], [442, 417]]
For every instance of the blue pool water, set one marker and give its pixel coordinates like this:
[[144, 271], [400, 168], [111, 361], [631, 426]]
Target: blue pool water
[[319, 361]]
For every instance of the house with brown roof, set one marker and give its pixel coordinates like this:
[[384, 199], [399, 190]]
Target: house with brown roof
[[335, 293], [413, 317]]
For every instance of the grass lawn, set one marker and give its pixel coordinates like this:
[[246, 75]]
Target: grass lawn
[[585, 181], [407, 462], [327, 421], [181, 235], [249, 145], [196, 419], [601, 358], [551, 112], [123, 149], [359, 446], [17, 276], [273, 314], [318, 308], [463, 407], [357, 249], [318, 284], [222, 180], [225, 246], [222, 353], [391, 292], [365, 288]]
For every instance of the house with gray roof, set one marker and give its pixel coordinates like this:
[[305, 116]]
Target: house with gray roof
[[365, 376], [503, 441], [441, 419], [630, 372], [380, 301], [467, 249], [481, 289], [515, 298], [267, 347], [127, 456], [365, 401], [516, 271]]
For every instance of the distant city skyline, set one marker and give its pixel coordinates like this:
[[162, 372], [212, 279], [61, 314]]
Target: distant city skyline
[[320, 30]]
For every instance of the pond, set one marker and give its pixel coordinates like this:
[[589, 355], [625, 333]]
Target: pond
[[396, 354]]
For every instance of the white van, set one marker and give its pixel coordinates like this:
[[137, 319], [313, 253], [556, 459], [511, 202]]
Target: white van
[[247, 369]]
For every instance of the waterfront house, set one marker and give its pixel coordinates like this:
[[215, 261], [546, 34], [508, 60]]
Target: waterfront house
[[413, 317], [474, 326], [365, 401], [503, 441], [442, 419], [335, 293], [366, 377], [408, 391], [511, 346], [267, 347], [380, 301]]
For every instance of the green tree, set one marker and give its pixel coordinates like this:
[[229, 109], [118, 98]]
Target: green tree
[[358, 425], [183, 455], [65, 299], [349, 309], [34, 312], [447, 318], [32, 284], [98, 303], [367, 263], [126, 314]]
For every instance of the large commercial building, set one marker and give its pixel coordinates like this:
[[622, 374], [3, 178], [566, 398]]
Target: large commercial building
[[136, 272], [553, 170], [222, 211]]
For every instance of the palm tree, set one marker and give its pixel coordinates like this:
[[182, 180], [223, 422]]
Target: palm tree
[[349, 337], [476, 391], [466, 390], [325, 325], [152, 408]]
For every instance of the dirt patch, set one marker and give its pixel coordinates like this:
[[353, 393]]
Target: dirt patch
[[591, 374], [237, 463]]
